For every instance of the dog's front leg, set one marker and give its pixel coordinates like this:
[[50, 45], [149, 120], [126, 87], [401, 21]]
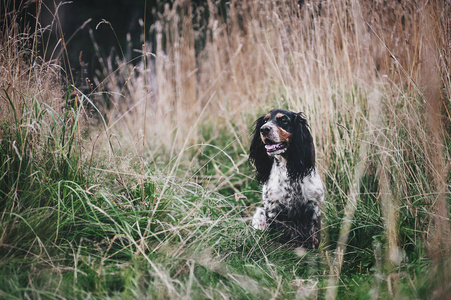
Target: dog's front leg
[[259, 219]]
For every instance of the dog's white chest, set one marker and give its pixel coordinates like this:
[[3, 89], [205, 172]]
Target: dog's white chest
[[278, 190]]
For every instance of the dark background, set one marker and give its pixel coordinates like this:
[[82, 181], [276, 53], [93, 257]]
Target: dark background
[[85, 50], [77, 19]]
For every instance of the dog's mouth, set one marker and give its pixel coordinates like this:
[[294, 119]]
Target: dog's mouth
[[271, 148]]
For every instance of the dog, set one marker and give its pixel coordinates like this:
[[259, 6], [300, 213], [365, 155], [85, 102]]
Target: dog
[[283, 154]]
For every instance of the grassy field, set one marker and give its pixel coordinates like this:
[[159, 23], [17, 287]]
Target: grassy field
[[139, 187]]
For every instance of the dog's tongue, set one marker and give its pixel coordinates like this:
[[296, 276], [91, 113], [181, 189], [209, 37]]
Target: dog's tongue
[[272, 147]]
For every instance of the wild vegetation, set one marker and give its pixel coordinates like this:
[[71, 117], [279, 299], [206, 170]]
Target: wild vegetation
[[140, 187]]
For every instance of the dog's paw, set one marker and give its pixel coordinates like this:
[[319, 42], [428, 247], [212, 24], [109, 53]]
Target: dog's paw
[[259, 219]]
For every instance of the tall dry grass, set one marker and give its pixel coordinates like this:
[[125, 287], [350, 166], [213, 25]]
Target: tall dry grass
[[261, 55], [372, 77], [24, 75]]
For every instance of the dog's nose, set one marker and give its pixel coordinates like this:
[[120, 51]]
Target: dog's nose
[[265, 130]]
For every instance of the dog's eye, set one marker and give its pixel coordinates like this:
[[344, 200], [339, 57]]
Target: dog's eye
[[283, 119]]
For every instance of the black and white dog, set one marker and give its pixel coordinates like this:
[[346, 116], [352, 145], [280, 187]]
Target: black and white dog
[[283, 154]]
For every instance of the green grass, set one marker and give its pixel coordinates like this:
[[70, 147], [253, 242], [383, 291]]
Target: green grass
[[66, 235]]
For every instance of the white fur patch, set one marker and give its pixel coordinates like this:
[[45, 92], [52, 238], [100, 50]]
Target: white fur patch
[[259, 219], [312, 187], [280, 190]]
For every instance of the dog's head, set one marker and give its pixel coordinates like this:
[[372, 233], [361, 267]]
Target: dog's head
[[282, 133]]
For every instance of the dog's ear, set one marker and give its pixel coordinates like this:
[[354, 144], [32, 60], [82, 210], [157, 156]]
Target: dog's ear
[[301, 153], [257, 154]]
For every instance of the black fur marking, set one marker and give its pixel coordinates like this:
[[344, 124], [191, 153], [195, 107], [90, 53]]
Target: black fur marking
[[257, 154]]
